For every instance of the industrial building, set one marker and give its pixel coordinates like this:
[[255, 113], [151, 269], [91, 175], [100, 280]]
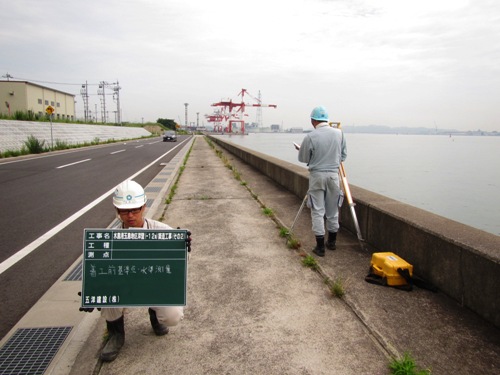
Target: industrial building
[[29, 97]]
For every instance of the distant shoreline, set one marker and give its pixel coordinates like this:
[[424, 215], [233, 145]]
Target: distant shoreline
[[375, 129]]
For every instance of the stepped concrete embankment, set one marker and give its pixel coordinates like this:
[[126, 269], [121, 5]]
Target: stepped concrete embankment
[[463, 262], [13, 133]]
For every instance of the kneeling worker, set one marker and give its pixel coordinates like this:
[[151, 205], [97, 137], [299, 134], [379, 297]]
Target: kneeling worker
[[130, 202]]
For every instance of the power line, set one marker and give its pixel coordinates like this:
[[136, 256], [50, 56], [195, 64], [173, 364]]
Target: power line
[[8, 76], [48, 82], [115, 87]]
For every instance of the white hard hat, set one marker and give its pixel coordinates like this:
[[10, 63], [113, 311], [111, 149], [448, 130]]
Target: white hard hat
[[129, 194]]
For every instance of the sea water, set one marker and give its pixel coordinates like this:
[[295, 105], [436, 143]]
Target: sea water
[[457, 177]]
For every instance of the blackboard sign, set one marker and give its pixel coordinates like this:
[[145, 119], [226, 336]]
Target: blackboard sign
[[134, 267]]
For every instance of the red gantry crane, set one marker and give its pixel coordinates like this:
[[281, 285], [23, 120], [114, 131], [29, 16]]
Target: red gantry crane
[[218, 118], [238, 116]]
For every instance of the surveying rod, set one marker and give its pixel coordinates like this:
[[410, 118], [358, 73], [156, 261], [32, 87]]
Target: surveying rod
[[347, 192]]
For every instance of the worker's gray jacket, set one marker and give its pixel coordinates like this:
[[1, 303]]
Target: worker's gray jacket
[[323, 149]]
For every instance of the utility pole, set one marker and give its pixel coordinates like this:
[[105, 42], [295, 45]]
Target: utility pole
[[84, 91], [116, 96], [197, 120], [186, 114], [258, 116], [101, 91], [8, 76]]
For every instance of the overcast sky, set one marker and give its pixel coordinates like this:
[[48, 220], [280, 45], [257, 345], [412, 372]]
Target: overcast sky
[[430, 63]]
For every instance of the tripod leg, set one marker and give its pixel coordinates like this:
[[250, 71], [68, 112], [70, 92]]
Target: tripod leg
[[298, 213]]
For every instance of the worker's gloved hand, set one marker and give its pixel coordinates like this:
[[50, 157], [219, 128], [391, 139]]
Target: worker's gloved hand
[[188, 239]]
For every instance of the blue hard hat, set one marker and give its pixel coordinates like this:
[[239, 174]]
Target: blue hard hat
[[319, 114]]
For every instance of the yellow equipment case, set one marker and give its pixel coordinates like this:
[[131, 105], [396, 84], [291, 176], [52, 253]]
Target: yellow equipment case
[[386, 265]]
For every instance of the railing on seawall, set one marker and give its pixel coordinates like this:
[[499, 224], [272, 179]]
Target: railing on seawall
[[463, 262]]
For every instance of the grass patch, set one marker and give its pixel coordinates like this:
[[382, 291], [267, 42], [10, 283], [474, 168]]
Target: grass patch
[[284, 232], [267, 211], [173, 190], [61, 145], [337, 287], [293, 243], [14, 153], [34, 145], [236, 174], [310, 262], [406, 366], [171, 194]]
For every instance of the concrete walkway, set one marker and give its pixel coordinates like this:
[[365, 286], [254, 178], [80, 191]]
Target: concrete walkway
[[253, 308]]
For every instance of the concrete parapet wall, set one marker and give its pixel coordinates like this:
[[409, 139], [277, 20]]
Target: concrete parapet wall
[[461, 261]]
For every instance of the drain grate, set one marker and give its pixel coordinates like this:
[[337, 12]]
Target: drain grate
[[30, 350], [152, 189], [149, 202], [75, 274]]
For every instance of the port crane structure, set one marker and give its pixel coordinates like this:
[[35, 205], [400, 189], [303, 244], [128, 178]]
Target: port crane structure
[[226, 114]]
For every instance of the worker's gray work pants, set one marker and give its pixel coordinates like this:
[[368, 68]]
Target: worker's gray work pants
[[167, 315], [325, 197]]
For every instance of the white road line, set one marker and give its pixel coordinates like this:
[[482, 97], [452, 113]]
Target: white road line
[[116, 152], [76, 162], [139, 146], [9, 262], [31, 157]]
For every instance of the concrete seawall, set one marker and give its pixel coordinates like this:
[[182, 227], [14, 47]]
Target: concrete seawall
[[463, 262]]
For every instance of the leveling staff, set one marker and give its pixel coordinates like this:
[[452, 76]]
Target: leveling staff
[[323, 150]]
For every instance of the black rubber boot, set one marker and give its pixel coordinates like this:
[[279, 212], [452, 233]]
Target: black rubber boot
[[331, 244], [319, 250], [159, 328], [116, 339]]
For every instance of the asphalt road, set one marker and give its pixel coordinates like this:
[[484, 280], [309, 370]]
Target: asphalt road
[[48, 200]]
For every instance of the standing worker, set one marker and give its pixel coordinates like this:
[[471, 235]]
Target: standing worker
[[323, 150], [130, 202]]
